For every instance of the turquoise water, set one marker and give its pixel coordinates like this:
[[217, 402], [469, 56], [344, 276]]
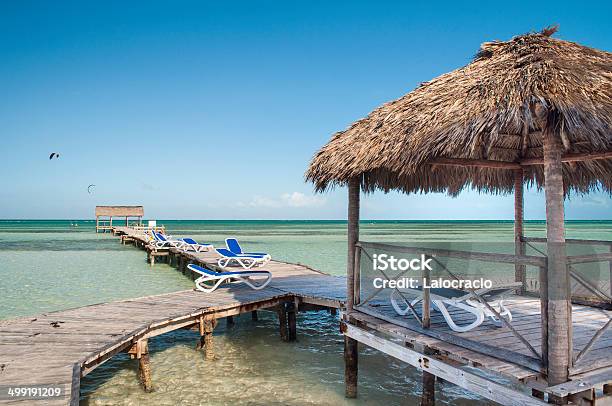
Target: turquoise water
[[52, 265]]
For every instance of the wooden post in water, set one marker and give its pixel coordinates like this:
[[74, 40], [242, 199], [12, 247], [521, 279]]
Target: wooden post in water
[[559, 296], [519, 244], [207, 325], [351, 345], [140, 351], [229, 320], [428, 397], [350, 367], [282, 321], [292, 321], [254, 316]]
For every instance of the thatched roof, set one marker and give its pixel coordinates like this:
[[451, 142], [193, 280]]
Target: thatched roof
[[120, 211], [482, 111]]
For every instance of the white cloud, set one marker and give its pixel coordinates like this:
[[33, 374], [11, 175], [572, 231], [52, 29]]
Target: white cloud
[[295, 199]]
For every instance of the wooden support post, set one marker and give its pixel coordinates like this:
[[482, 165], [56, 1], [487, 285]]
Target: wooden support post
[[254, 315], [181, 264], [350, 367], [353, 238], [333, 311], [519, 244], [140, 351], [607, 389], [560, 352], [291, 321], [428, 397], [206, 326], [229, 321], [144, 372], [97, 224], [282, 321], [426, 317], [610, 272], [126, 221], [543, 279]]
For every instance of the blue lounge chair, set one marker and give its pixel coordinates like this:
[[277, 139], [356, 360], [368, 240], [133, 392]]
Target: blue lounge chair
[[233, 245], [192, 245], [209, 280], [245, 261], [160, 241]]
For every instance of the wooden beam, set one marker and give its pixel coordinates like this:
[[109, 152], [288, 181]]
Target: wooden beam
[[570, 158], [460, 377], [486, 163], [483, 163], [559, 304], [353, 238]]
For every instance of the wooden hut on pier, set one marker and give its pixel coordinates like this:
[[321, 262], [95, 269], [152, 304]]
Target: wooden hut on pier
[[105, 214], [532, 110]]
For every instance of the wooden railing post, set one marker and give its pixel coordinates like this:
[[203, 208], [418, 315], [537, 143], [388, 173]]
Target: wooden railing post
[[426, 316], [357, 277]]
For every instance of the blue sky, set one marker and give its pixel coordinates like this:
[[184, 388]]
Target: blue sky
[[212, 110]]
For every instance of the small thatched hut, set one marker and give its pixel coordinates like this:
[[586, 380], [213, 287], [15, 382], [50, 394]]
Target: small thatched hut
[[534, 109]]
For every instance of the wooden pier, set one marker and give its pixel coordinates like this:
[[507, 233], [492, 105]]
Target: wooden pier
[[58, 348]]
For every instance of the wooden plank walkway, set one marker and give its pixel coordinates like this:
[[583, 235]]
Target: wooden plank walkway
[[61, 347]]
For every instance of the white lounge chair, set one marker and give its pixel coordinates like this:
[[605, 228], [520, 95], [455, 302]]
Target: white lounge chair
[[164, 241], [246, 261], [209, 280], [234, 246], [464, 300], [189, 244]]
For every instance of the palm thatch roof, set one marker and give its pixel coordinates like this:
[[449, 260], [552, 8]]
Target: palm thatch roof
[[483, 111]]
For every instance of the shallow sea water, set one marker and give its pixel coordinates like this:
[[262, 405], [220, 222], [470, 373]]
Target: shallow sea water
[[50, 265]]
